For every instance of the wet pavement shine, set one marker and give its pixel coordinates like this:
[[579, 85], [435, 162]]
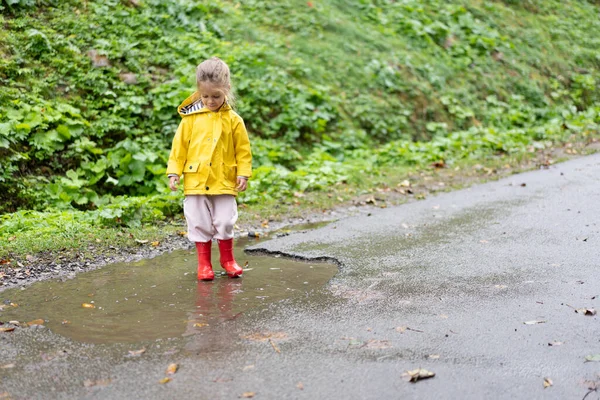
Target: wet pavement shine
[[480, 286]]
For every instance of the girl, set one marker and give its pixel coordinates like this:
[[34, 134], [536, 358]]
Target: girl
[[212, 150]]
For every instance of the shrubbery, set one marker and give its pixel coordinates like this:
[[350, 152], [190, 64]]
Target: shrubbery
[[89, 90]]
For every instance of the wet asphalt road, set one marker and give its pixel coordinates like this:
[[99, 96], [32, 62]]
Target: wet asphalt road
[[445, 284]]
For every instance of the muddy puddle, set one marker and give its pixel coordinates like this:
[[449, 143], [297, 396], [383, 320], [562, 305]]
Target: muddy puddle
[[158, 298]]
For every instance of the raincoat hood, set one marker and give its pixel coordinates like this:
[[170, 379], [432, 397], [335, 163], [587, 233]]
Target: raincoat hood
[[193, 104]]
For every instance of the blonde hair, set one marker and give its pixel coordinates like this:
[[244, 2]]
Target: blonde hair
[[216, 72]]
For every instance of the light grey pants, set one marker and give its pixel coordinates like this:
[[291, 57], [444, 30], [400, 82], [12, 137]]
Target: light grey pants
[[210, 217]]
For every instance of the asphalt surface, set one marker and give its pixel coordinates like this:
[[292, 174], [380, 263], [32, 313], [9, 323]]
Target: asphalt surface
[[445, 284]]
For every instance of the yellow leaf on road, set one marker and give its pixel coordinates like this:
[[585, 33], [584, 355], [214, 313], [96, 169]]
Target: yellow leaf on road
[[136, 353], [172, 369], [36, 322], [88, 305], [164, 380], [417, 375]]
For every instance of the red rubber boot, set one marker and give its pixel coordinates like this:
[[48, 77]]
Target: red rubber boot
[[227, 261], [205, 272]]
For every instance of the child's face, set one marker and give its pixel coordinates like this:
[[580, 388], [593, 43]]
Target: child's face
[[212, 96]]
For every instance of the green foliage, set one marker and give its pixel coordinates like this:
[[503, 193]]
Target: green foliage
[[327, 89]]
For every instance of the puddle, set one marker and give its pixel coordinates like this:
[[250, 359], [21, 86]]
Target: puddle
[[160, 297]]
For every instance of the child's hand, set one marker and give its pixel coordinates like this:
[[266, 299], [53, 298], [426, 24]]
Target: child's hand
[[242, 183], [173, 182]]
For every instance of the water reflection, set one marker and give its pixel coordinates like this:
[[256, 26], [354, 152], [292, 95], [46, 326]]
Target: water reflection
[[159, 298]]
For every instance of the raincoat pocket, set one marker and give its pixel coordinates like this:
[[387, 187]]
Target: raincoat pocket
[[230, 174], [191, 167]]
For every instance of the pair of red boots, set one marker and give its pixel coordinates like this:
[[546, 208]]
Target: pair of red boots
[[205, 271]]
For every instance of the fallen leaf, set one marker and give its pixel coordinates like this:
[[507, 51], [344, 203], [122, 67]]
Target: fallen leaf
[[593, 357], [592, 385], [417, 375], [274, 346], [534, 322], [9, 329], [36, 322], [155, 244], [404, 183], [66, 322], [88, 305], [137, 353], [199, 325], [164, 380], [182, 233], [377, 344], [139, 241], [172, 369], [248, 395], [101, 382], [264, 336], [547, 382], [4, 261], [300, 386], [402, 329], [586, 311]]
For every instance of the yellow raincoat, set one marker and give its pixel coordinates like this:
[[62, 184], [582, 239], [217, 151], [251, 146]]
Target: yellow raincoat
[[211, 149]]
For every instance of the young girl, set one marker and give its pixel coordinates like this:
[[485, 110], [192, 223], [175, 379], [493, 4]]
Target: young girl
[[212, 150]]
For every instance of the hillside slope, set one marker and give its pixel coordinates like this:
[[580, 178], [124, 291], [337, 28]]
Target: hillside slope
[[89, 89]]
